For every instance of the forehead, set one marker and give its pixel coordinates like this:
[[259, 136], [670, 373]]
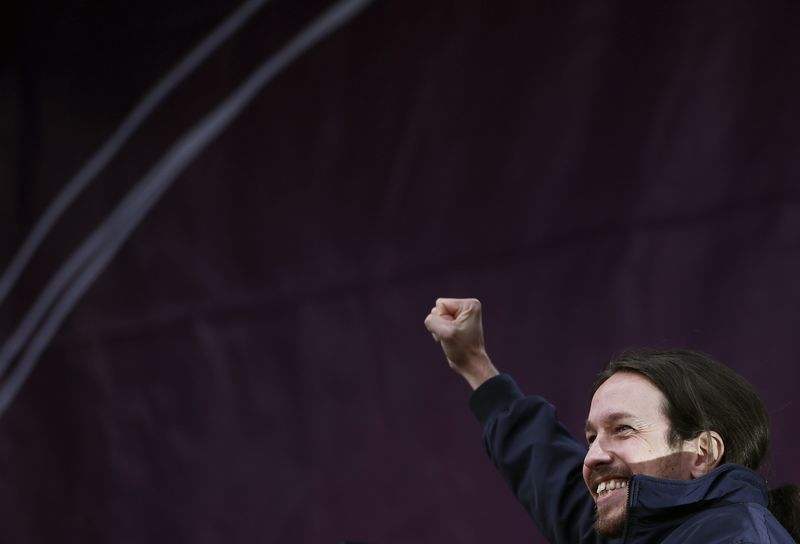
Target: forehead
[[628, 393]]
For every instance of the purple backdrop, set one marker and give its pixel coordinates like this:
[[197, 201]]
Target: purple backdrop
[[253, 367]]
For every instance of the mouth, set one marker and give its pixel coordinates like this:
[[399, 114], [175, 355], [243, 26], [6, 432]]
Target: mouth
[[607, 489]]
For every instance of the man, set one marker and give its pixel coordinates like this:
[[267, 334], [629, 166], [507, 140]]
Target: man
[[673, 442]]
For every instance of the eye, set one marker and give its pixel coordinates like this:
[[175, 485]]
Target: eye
[[623, 428], [590, 438]]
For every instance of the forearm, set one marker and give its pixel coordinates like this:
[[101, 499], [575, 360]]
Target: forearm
[[478, 370]]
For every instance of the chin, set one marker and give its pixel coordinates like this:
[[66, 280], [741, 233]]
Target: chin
[[610, 522]]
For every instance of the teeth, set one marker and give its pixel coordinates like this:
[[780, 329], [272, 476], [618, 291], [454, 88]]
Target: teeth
[[610, 485]]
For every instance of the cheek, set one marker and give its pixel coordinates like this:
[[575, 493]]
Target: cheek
[[643, 457], [640, 449], [633, 454]]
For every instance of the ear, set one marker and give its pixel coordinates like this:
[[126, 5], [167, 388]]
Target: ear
[[709, 448]]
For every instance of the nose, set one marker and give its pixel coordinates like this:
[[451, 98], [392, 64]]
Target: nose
[[597, 455]]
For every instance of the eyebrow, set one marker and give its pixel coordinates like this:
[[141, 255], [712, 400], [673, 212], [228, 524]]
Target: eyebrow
[[610, 418]]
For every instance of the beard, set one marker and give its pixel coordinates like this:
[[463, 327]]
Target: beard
[[610, 520], [611, 513], [610, 517]]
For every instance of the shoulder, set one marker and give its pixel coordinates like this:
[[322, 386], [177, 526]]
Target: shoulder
[[737, 523]]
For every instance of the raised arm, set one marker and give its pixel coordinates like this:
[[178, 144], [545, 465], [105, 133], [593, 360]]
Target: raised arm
[[535, 454]]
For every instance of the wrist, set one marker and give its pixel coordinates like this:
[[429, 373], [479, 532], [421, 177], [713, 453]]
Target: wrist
[[478, 370]]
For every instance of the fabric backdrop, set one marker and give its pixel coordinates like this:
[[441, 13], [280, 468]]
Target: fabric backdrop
[[252, 366]]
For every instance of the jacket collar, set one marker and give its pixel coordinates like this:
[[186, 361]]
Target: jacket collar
[[657, 506]]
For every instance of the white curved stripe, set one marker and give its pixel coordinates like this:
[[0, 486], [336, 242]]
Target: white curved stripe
[[88, 261], [119, 137]]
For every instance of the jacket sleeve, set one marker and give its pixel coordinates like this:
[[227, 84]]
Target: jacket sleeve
[[538, 458]]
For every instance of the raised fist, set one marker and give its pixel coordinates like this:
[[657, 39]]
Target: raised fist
[[456, 325]]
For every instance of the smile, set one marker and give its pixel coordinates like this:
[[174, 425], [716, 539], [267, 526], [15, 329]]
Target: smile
[[610, 485]]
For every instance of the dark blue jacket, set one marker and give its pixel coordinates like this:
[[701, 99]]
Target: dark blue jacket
[[542, 463]]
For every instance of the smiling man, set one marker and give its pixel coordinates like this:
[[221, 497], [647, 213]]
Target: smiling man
[[627, 432], [673, 441]]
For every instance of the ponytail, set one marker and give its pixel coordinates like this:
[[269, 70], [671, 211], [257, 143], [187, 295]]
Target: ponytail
[[784, 503]]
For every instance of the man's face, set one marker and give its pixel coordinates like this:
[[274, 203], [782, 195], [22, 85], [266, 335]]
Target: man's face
[[627, 434]]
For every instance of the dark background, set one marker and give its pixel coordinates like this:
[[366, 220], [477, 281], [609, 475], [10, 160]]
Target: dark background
[[252, 367]]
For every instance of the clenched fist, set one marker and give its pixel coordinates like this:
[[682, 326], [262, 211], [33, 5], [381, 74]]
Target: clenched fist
[[456, 324]]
